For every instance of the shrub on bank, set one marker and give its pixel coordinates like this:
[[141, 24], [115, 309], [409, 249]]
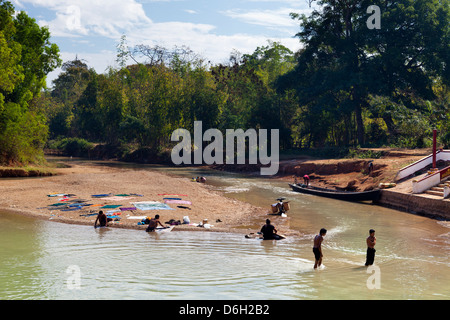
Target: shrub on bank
[[77, 147]]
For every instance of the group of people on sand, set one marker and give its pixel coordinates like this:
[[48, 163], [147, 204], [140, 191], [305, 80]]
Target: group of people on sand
[[269, 232]]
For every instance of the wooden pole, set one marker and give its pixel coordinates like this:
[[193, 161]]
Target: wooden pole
[[434, 149]]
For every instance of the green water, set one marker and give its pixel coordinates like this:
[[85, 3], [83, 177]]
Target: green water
[[48, 260]]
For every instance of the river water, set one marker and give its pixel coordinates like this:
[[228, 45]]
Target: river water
[[48, 260]]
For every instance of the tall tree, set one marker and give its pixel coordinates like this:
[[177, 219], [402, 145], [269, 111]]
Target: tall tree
[[27, 56], [344, 61]]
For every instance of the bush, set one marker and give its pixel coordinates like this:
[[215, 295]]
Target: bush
[[73, 146]]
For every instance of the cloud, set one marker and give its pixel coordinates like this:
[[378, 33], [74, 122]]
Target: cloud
[[106, 18], [202, 39], [268, 18], [102, 23]]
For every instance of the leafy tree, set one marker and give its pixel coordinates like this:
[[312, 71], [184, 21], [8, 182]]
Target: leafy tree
[[27, 56], [344, 62]]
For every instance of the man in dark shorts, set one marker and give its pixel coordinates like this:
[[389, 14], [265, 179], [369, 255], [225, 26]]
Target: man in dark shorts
[[371, 241], [102, 219], [317, 248], [269, 232], [153, 223]]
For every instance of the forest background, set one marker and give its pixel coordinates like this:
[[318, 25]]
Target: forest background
[[349, 86]]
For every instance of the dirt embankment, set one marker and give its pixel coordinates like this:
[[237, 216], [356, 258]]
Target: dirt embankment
[[342, 174], [22, 173]]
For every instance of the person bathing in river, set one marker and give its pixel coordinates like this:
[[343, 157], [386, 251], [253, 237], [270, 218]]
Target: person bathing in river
[[371, 241], [153, 223], [317, 248], [269, 232], [102, 219]]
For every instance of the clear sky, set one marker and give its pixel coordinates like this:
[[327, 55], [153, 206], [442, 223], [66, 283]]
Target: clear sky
[[92, 29]]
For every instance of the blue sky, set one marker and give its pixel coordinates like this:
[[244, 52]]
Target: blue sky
[[91, 29]]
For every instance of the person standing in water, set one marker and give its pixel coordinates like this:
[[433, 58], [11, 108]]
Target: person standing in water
[[317, 248], [371, 241]]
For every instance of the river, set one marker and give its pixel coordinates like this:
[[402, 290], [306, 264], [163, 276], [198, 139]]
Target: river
[[48, 260]]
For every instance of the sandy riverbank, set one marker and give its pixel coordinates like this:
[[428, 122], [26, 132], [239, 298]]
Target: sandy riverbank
[[29, 196]]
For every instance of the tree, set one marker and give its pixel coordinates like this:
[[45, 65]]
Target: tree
[[343, 62], [27, 56]]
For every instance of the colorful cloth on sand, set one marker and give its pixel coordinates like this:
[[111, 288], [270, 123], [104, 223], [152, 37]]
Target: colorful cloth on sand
[[101, 195], [58, 204], [151, 205], [128, 209], [109, 206], [178, 201], [57, 195], [116, 198]]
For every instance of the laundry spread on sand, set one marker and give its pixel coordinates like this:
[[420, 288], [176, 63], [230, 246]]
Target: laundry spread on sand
[[109, 206], [151, 205], [58, 204], [89, 215], [114, 211], [72, 209], [113, 217], [116, 198], [128, 209], [103, 195], [178, 201], [57, 195], [75, 205], [171, 198]]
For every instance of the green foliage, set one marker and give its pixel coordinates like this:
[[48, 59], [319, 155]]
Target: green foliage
[[348, 86], [356, 153], [142, 104], [72, 146], [26, 57], [343, 65]]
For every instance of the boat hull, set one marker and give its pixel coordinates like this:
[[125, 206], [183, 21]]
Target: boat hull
[[372, 195]]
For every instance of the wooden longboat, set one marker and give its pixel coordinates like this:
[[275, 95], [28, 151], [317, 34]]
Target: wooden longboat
[[372, 195]]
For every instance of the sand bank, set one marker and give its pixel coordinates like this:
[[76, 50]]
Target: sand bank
[[29, 196]]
